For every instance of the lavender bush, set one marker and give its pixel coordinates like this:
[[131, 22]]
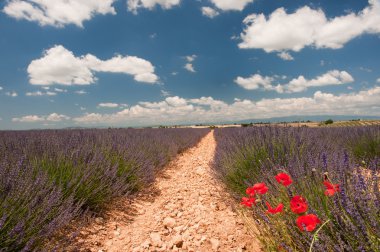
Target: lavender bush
[[49, 177], [347, 156]]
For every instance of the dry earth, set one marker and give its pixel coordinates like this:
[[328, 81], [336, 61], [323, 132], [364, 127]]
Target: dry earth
[[185, 210]]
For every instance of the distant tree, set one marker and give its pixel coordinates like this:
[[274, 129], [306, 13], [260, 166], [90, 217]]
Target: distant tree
[[329, 121]]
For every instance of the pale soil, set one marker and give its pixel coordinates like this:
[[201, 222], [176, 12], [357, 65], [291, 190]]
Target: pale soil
[[186, 209]]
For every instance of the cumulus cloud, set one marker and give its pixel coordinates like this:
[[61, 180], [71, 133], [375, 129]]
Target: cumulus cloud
[[285, 56], [299, 84], [333, 77], [308, 27], [207, 109], [39, 93], [227, 5], [1, 88], [108, 105], [165, 93], [255, 81], [134, 5], [59, 90], [11, 94], [189, 65], [60, 66], [54, 117], [209, 12], [80, 92], [378, 80], [58, 13]]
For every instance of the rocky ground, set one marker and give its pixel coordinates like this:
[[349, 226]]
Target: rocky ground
[[185, 210]]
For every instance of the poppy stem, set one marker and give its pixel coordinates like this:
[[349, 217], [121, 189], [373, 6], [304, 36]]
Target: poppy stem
[[315, 236]]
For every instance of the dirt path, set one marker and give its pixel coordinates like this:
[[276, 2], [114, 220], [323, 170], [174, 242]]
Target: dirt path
[[187, 210]]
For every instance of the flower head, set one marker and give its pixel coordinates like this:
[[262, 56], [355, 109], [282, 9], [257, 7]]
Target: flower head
[[248, 202], [284, 179], [278, 209], [250, 191], [307, 222], [331, 189], [298, 204], [260, 188]]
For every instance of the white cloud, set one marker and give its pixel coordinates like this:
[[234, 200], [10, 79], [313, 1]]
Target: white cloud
[[58, 13], [285, 56], [189, 65], [54, 117], [108, 105], [227, 5], [165, 93], [299, 84], [206, 109], [378, 80], [11, 94], [28, 118], [365, 69], [255, 82], [1, 88], [80, 92], [134, 5], [59, 90], [308, 27], [209, 12], [60, 66], [39, 93], [191, 58], [333, 77]]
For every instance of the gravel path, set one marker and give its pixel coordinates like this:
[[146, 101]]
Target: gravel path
[[185, 210]]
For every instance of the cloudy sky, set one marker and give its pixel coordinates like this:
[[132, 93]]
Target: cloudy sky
[[147, 62]]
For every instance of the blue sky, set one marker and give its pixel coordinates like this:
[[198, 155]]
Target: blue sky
[[147, 62]]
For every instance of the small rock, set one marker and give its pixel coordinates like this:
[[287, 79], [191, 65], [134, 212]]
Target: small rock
[[178, 229], [145, 244], [200, 170], [215, 243], [99, 220], [177, 241], [169, 222], [109, 243], [156, 239], [83, 232]]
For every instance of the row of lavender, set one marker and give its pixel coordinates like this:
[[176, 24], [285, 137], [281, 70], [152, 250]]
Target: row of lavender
[[49, 177], [345, 160]]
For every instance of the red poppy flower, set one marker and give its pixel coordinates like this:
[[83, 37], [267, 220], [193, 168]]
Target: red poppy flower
[[278, 209], [284, 179], [298, 204], [307, 222], [331, 189], [250, 191], [260, 188], [248, 202]]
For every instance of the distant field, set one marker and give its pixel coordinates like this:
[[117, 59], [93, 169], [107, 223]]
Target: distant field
[[296, 124]]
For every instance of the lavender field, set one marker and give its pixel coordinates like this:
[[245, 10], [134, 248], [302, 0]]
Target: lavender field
[[50, 177], [349, 157]]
